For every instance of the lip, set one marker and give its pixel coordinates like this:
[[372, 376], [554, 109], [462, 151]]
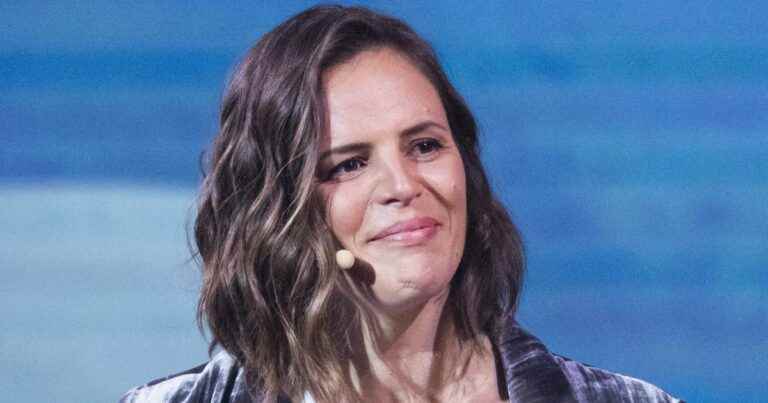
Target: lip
[[415, 230]]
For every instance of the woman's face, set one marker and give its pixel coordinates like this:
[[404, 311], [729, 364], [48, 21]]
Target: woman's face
[[393, 178]]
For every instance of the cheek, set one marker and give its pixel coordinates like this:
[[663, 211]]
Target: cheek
[[458, 196], [449, 183], [458, 189], [345, 213]]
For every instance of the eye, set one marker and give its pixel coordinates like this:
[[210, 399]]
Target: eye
[[426, 147], [345, 169]]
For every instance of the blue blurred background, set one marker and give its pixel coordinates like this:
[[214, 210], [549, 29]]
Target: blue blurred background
[[628, 139]]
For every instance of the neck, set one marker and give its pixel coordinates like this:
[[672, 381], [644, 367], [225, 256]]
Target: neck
[[415, 350]]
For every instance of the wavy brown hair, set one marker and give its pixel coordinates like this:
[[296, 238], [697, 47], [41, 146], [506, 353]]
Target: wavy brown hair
[[272, 295]]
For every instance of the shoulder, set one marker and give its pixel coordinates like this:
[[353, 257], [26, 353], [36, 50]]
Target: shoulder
[[533, 373], [592, 384], [219, 380]]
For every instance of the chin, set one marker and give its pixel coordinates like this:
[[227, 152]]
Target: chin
[[413, 288]]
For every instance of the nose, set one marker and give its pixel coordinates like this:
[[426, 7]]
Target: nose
[[398, 184]]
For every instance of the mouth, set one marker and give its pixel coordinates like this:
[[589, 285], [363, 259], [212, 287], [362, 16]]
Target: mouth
[[413, 231]]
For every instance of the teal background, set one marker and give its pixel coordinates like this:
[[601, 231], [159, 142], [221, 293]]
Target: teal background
[[628, 140]]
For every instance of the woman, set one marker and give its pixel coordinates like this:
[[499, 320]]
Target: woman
[[351, 246]]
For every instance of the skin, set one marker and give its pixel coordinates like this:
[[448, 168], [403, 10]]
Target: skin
[[390, 156], [395, 175]]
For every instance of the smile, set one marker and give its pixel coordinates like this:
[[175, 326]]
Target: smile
[[409, 232]]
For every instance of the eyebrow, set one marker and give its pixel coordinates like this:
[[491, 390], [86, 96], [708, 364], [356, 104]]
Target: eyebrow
[[357, 147]]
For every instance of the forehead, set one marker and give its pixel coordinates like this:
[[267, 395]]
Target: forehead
[[378, 92]]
